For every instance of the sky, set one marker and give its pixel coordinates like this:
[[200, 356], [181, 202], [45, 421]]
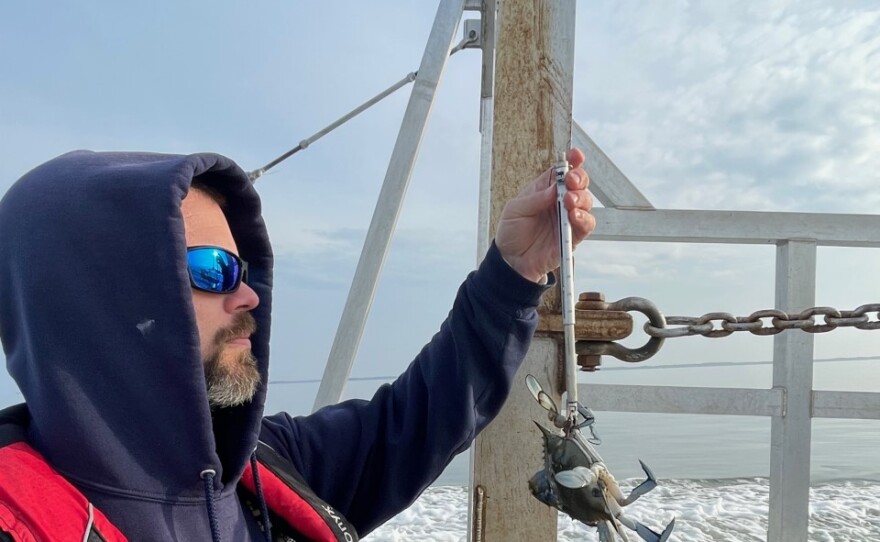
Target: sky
[[769, 106]]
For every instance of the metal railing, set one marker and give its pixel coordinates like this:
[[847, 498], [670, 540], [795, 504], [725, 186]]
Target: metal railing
[[791, 402]]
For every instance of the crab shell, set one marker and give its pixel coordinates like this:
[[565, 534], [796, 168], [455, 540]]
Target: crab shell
[[586, 504]]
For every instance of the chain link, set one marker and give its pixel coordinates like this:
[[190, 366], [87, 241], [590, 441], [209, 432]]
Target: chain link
[[767, 322]]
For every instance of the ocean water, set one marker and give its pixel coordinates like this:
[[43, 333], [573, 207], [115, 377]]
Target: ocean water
[[699, 447], [733, 510]]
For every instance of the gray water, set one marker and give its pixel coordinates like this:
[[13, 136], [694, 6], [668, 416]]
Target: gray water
[[702, 447], [718, 447]]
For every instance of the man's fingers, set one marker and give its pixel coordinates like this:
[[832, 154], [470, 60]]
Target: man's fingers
[[580, 199], [582, 224], [575, 157], [577, 179], [541, 192]]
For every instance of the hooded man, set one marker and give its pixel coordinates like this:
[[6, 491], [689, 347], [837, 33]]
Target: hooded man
[[135, 303]]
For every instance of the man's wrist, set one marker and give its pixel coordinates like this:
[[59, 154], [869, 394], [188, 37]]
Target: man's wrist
[[533, 277], [508, 286]]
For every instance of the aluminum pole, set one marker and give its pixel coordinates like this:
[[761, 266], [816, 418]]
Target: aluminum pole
[[378, 240], [790, 433]]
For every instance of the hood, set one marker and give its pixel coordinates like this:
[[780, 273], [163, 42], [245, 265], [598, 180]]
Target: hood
[[98, 327]]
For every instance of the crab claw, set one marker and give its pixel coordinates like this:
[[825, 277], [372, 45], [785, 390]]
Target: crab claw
[[542, 489], [540, 395], [651, 536], [546, 432], [646, 486]]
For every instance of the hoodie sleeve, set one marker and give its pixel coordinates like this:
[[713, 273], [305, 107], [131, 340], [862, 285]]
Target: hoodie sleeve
[[372, 459]]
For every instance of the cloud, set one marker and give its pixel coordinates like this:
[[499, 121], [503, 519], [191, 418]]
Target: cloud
[[735, 107], [623, 271]]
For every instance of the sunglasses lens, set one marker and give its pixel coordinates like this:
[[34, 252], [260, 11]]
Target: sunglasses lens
[[213, 269]]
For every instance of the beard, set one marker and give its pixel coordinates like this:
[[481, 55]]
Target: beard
[[231, 373]]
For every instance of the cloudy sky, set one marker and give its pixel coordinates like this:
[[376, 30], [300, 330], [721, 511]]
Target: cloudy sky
[[770, 106]]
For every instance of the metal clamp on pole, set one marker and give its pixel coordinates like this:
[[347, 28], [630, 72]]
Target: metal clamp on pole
[[590, 351], [591, 322], [600, 323]]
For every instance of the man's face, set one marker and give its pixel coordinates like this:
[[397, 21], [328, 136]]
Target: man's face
[[223, 320]]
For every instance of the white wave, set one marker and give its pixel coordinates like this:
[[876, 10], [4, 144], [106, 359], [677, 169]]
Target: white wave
[[705, 511]]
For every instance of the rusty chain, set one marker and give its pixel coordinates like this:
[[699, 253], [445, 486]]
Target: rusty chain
[[755, 323]]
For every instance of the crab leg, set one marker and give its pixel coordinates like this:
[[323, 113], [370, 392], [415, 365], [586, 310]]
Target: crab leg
[[646, 532], [614, 490], [605, 532], [646, 486], [586, 447], [616, 526]]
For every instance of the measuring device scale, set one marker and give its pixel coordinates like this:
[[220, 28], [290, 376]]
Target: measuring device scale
[[566, 280]]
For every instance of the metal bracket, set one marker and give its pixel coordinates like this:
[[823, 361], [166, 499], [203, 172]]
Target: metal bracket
[[592, 324], [472, 36], [590, 350], [473, 33]]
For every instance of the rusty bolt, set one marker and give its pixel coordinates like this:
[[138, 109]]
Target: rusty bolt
[[589, 362], [591, 301], [591, 296]]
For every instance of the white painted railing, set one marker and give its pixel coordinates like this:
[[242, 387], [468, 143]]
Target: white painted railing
[[791, 402]]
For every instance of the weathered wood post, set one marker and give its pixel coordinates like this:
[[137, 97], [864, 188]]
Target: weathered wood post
[[532, 124]]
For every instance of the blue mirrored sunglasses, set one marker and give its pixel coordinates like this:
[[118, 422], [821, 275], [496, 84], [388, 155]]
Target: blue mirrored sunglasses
[[215, 269]]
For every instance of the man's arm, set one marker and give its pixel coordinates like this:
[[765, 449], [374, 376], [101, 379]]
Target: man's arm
[[370, 460]]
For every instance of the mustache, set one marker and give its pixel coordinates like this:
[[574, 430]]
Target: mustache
[[243, 325]]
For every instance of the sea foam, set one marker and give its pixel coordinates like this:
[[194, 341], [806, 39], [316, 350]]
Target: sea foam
[[704, 510]]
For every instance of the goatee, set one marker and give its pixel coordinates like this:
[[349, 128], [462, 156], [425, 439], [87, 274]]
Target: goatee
[[231, 372]]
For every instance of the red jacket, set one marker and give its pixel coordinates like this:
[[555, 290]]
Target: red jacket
[[38, 504]]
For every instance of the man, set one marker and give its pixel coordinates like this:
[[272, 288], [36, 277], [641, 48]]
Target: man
[[135, 301]]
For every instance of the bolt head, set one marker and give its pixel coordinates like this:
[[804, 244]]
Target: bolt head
[[589, 362], [591, 296]]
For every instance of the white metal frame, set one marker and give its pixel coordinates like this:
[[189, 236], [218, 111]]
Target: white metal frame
[[791, 402]]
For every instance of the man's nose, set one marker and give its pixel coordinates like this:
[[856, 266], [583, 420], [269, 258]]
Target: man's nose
[[242, 300]]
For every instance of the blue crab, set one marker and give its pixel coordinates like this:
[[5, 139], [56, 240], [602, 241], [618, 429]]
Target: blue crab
[[576, 481]]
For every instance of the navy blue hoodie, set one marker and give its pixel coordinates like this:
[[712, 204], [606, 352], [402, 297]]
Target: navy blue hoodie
[[100, 335]]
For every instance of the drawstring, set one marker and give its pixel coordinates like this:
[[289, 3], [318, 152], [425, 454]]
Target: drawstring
[[90, 524], [264, 510], [207, 476]]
